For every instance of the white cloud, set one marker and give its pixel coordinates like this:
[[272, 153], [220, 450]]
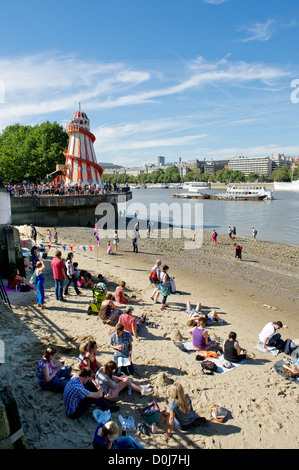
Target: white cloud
[[259, 31], [215, 2]]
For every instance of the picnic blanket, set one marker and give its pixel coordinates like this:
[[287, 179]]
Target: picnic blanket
[[279, 369], [188, 347], [220, 364], [271, 349]]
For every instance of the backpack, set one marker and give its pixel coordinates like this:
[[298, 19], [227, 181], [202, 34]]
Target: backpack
[[153, 276], [289, 347], [295, 354], [209, 367]]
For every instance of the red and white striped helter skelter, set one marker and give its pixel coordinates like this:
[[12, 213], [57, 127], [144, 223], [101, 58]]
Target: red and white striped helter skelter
[[80, 156]]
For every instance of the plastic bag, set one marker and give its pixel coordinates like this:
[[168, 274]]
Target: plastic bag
[[101, 416], [128, 421]]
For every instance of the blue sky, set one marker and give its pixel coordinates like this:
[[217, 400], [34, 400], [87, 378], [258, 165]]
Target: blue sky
[[190, 79]]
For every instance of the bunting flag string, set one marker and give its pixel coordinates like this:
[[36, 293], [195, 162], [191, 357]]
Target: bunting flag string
[[69, 247]]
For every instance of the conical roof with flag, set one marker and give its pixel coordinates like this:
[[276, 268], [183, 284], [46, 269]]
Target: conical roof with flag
[[80, 156]]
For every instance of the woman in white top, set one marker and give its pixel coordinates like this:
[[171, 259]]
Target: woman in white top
[[70, 271]]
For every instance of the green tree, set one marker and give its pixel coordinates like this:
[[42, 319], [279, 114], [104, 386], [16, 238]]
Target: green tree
[[31, 152], [172, 175], [252, 177], [281, 174]]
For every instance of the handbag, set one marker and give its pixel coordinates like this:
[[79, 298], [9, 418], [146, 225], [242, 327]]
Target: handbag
[[151, 413]]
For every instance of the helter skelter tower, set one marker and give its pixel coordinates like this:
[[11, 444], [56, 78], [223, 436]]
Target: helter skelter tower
[[80, 157]]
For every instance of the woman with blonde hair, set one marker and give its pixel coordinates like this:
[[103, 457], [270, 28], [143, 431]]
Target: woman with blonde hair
[[105, 434], [181, 415]]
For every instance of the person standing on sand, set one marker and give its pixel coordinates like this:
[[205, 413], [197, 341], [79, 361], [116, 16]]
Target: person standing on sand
[[55, 236], [33, 233], [59, 276], [40, 284], [156, 273], [115, 241], [70, 272], [214, 236], [238, 251], [134, 241], [254, 233]]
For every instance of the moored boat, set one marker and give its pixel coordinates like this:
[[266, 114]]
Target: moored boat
[[286, 186]]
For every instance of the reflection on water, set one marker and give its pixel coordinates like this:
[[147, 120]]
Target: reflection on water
[[276, 220]]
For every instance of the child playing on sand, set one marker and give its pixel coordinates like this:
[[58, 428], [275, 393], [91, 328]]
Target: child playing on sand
[[109, 252]]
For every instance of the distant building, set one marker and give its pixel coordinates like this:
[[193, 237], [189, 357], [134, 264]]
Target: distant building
[[161, 161], [280, 160], [247, 165], [213, 166]]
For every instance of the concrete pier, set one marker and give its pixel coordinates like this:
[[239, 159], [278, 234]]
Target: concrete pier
[[62, 210]]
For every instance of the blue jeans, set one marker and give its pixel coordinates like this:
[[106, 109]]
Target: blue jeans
[[59, 288], [127, 442], [59, 381]]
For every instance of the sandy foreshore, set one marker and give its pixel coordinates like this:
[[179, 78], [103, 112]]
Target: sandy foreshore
[[262, 405]]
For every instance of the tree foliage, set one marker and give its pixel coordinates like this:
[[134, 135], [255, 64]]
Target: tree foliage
[[31, 152]]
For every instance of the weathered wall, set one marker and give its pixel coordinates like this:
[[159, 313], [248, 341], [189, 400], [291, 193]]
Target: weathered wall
[[61, 210]]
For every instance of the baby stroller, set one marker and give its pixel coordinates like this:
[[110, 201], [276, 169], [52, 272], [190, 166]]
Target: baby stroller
[[99, 292]]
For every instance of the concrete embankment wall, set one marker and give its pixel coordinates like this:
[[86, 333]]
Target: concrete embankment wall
[[62, 210]]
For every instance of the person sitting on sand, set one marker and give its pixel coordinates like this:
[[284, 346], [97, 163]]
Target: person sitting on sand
[[15, 280], [196, 314], [108, 310], [89, 360], [27, 265], [129, 321], [112, 384], [269, 336], [200, 336], [102, 279], [86, 278], [121, 297], [80, 393], [121, 341], [182, 415], [52, 377], [105, 438], [231, 349]]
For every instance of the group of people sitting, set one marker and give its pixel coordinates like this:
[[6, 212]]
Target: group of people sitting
[[101, 384]]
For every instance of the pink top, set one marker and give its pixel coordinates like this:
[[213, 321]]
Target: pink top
[[58, 268], [128, 321]]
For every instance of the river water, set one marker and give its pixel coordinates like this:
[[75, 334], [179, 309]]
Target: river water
[[275, 220]]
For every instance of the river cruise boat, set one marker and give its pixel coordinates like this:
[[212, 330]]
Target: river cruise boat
[[196, 185], [236, 192]]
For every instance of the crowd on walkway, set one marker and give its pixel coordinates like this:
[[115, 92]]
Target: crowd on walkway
[[60, 189]]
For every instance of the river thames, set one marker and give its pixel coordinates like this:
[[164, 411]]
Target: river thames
[[275, 220]]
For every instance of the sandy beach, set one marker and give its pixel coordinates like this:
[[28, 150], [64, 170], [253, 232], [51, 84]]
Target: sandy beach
[[262, 405]]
